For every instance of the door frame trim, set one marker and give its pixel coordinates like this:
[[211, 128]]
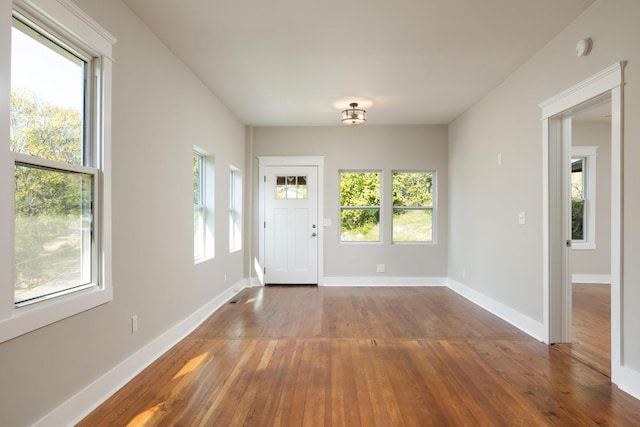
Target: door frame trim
[[289, 161], [608, 82]]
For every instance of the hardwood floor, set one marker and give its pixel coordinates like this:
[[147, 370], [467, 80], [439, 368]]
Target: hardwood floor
[[591, 322], [323, 356]]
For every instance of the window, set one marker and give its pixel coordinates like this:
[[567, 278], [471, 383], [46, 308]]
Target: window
[[583, 197], [291, 187], [203, 218], [412, 206], [199, 209], [58, 209], [360, 206], [235, 209]]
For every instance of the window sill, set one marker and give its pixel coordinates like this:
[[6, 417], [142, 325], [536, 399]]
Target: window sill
[[37, 315]]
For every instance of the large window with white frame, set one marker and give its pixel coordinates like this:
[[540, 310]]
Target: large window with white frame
[[235, 209], [59, 147], [413, 206], [360, 206], [583, 197]]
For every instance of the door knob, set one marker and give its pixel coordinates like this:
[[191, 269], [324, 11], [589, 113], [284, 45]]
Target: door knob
[[314, 234]]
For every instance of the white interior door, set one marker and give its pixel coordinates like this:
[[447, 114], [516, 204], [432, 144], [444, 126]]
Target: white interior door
[[291, 225]]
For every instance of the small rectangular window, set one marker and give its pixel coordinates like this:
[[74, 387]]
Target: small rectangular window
[[578, 198], [235, 209], [412, 206], [360, 206], [199, 208], [291, 187], [583, 197]]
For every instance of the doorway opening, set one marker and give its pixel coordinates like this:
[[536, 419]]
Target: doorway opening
[[557, 248], [590, 255]]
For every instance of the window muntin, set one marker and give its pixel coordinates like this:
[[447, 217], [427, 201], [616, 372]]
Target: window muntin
[[360, 206], [55, 176], [199, 207], [412, 206], [235, 209]]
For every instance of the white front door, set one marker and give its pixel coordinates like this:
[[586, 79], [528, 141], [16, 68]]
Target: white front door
[[291, 225]]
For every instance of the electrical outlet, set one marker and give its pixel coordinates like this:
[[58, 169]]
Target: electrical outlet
[[380, 268], [225, 279], [134, 323], [522, 218]]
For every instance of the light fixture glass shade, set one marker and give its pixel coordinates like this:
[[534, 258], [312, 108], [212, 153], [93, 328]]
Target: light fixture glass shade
[[354, 116]]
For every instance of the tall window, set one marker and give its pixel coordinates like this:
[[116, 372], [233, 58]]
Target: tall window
[[55, 215], [235, 209], [359, 206], [55, 167], [412, 206], [199, 207], [583, 196]]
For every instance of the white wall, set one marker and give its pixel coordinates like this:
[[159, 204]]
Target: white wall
[[160, 110], [596, 262], [369, 147], [503, 260]]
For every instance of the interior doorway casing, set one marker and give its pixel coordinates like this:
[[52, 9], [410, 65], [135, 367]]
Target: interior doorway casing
[[556, 124], [286, 161]]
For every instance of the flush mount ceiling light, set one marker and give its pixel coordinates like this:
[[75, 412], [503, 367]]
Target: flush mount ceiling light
[[354, 116]]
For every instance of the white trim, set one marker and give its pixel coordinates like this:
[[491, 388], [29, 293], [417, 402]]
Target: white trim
[[607, 83], [80, 405], [629, 381], [384, 281], [506, 313], [587, 89], [592, 279]]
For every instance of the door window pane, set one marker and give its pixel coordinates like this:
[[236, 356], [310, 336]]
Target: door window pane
[[291, 187]]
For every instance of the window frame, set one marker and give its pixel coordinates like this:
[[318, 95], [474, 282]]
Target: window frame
[[431, 208], [72, 29], [235, 209], [589, 153], [207, 187], [199, 206], [379, 208]]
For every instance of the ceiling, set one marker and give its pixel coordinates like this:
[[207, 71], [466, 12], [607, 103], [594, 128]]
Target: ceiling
[[299, 62]]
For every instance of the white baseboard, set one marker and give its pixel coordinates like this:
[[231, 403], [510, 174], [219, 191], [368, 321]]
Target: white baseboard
[[599, 279], [80, 405], [506, 313], [628, 380], [383, 281]]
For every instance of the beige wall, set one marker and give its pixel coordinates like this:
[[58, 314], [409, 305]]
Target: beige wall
[[596, 261], [160, 110], [503, 260], [383, 148]]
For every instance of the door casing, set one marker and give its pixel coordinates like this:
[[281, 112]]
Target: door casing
[[556, 225]]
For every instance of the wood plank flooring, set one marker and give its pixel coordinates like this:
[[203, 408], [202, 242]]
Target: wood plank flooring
[[591, 322], [323, 356]]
